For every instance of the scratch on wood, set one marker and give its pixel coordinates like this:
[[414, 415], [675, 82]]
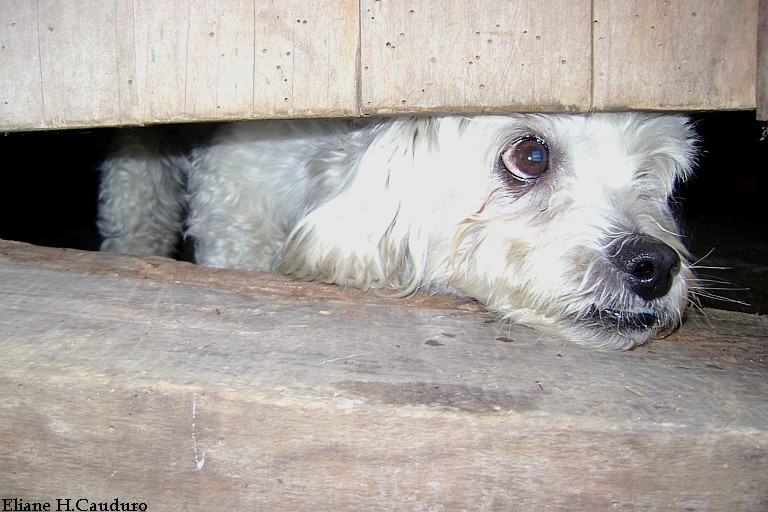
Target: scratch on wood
[[340, 358], [199, 456]]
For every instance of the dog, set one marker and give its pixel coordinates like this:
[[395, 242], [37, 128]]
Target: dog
[[562, 222]]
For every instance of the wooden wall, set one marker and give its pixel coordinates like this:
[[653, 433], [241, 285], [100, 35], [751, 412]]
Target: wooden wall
[[73, 63]]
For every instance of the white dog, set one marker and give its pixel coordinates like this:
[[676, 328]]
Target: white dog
[[555, 221]]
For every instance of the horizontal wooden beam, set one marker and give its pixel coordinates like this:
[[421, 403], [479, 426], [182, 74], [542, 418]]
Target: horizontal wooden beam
[[86, 63], [181, 387]]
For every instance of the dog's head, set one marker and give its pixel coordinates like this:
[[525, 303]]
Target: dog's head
[[577, 231], [556, 221]]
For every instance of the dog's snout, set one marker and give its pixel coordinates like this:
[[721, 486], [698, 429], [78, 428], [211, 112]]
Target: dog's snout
[[649, 266]]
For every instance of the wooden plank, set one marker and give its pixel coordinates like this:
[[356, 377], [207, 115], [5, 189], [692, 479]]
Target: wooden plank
[[162, 40], [306, 58], [675, 54], [762, 62], [476, 55], [220, 82], [246, 59], [128, 100], [77, 55], [151, 61], [21, 96], [142, 61], [158, 382]]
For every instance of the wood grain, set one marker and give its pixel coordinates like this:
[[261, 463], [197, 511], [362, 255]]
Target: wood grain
[[674, 54], [306, 58], [246, 59], [21, 90], [146, 381], [477, 55], [93, 63], [87, 63]]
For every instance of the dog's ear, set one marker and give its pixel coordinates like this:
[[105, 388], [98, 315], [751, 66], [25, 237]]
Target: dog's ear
[[672, 142]]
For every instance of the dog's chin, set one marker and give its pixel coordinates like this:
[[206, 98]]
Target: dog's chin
[[621, 329], [604, 325], [624, 321], [627, 329]]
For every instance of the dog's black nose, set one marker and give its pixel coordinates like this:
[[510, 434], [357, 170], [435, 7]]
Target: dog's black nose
[[648, 264]]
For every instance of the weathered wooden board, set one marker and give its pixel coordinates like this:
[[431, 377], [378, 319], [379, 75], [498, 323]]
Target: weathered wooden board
[[675, 54], [186, 388], [21, 90], [95, 63], [78, 84], [476, 55], [84, 63]]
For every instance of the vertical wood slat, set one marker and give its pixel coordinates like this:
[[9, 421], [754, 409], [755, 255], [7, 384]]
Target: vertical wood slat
[[474, 55], [125, 52], [220, 76], [674, 54], [20, 85], [306, 58], [270, 59], [50, 74], [246, 58], [92, 63], [162, 33], [80, 88]]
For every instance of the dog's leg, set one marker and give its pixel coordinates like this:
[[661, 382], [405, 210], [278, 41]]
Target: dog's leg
[[238, 212], [141, 200]]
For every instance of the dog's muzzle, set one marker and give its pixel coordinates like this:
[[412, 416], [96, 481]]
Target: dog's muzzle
[[647, 267]]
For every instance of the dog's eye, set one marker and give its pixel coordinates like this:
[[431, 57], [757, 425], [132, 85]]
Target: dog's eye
[[527, 158]]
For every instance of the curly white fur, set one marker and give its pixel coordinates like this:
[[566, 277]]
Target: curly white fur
[[430, 203]]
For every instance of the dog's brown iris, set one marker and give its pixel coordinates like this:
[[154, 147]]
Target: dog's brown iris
[[527, 158]]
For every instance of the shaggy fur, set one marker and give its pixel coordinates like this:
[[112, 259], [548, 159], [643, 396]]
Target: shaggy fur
[[561, 222]]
